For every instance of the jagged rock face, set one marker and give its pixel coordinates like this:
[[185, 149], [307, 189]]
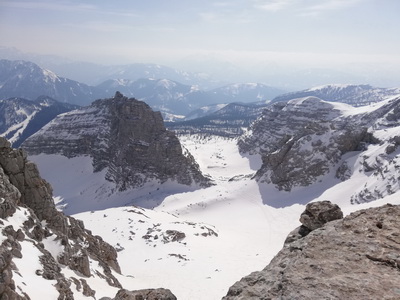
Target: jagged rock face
[[353, 258], [304, 139], [299, 141], [123, 135], [24, 192]]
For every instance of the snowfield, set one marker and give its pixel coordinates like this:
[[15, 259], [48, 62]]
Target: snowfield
[[195, 242]]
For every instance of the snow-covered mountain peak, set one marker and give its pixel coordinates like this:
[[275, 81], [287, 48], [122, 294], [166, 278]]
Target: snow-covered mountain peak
[[27, 80], [50, 75], [166, 84]]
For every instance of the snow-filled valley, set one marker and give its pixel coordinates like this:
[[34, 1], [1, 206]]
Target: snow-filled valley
[[195, 242]]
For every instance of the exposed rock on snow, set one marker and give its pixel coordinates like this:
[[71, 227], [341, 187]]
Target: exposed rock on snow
[[304, 139], [123, 136], [29, 220], [352, 258]]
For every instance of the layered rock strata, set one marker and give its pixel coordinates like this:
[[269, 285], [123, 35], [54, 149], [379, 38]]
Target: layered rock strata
[[123, 136], [303, 140]]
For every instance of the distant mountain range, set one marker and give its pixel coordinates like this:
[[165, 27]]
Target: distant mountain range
[[230, 120], [355, 95], [173, 97], [27, 80], [226, 110]]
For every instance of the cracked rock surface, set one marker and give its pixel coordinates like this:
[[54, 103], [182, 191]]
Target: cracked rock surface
[[357, 257]]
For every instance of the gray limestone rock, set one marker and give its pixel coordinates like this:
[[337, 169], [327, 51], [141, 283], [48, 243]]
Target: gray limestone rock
[[123, 135], [147, 294], [22, 186], [302, 140], [318, 213], [357, 257]]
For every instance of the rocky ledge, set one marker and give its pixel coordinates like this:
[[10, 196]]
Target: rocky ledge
[[357, 257]]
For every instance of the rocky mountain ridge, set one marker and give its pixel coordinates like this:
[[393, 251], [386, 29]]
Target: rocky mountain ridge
[[305, 139], [332, 258], [123, 136]]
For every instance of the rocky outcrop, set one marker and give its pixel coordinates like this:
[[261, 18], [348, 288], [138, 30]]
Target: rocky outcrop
[[319, 213], [315, 216], [123, 136], [302, 140], [352, 258], [23, 191], [148, 294]]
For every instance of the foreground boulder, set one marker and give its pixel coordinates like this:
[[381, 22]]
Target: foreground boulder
[[147, 294], [357, 257], [315, 216]]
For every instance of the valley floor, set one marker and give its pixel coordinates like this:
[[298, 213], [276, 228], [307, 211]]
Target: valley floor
[[231, 229]]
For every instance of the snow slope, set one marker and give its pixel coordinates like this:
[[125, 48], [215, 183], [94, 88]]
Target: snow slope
[[230, 229]]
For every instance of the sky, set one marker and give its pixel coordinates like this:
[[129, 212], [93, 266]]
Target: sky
[[247, 33]]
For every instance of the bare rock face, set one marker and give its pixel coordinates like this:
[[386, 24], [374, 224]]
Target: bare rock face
[[21, 187], [124, 136], [357, 257], [148, 294], [304, 139]]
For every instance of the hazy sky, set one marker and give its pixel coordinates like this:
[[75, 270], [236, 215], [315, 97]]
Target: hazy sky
[[317, 32]]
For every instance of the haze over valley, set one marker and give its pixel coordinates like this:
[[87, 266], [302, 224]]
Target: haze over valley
[[213, 150]]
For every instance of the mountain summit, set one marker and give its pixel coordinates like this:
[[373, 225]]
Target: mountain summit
[[126, 141]]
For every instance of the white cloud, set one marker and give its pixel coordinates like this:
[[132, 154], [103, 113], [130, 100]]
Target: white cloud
[[63, 6], [45, 5], [273, 5], [306, 7], [328, 5]]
